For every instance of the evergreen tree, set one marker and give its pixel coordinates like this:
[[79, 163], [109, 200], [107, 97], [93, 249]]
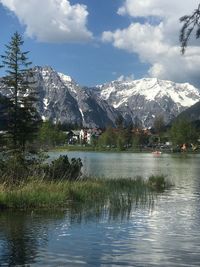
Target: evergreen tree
[[23, 119], [108, 138], [51, 135], [119, 122], [183, 132], [158, 124]]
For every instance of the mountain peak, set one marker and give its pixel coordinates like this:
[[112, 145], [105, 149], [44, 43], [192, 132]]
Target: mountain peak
[[65, 78], [44, 68], [61, 99], [46, 71], [147, 97]]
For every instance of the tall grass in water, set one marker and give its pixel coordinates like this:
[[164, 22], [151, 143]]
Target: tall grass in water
[[96, 193]]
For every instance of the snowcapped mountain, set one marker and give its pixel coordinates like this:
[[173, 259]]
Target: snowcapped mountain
[[142, 100], [61, 99]]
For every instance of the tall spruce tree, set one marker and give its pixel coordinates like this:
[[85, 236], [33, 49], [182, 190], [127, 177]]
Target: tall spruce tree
[[23, 119]]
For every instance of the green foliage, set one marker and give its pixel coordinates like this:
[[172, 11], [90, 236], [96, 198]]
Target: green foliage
[[116, 194], [108, 138], [157, 182], [23, 119], [115, 138], [139, 139], [63, 169], [13, 169], [183, 132], [123, 138], [119, 122], [135, 141], [120, 142], [128, 134], [22, 124], [94, 141], [50, 135], [159, 124]]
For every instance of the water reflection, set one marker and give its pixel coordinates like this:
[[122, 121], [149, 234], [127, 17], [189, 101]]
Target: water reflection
[[112, 209], [26, 236], [21, 234], [145, 230]]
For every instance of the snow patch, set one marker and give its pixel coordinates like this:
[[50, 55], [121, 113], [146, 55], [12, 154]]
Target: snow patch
[[83, 118], [152, 89], [65, 78], [69, 83], [45, 101], [44, 118], [45, 75]]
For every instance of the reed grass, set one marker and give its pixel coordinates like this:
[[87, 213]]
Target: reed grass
[[60, 194]]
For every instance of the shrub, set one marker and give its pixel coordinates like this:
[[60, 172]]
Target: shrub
[[13, 169], [157, 182], [63, 169], [16, 169]]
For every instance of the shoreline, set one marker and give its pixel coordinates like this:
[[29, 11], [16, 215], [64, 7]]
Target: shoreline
[[39, 194], [91, 149]]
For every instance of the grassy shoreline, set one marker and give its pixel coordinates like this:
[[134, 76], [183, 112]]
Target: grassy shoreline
[[115, 150], [38, 194], [88, 148]]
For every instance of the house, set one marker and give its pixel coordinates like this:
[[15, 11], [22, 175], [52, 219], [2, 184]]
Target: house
[[83, 136], [73, 137], [88, 135]]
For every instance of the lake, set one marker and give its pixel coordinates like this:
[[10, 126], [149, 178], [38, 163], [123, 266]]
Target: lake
[[164, 232]]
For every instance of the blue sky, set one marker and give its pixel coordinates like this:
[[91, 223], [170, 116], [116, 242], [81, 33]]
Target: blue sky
[[96, 41]]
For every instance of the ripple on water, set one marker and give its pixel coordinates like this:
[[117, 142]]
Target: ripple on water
[[164, 234]]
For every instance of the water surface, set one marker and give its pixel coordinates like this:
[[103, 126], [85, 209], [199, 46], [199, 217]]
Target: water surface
[[165, 233]]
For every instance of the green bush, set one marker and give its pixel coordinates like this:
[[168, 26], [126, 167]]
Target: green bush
[[13, 169], [16, 169], [63, 169], [157, 182]]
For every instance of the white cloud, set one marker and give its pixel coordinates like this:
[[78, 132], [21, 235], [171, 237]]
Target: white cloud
[[144, 39], [164, 8], [176, 67], [125, 78], [51, 20], [156, 38]]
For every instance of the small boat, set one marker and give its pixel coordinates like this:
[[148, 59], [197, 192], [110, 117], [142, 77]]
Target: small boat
[[157, 152]]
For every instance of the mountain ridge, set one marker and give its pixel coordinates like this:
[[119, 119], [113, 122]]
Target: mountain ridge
[[192, 113], [148, 97], [63, 100]]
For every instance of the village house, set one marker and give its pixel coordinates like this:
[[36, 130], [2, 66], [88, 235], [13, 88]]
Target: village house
[[73, 137], [88, 135]]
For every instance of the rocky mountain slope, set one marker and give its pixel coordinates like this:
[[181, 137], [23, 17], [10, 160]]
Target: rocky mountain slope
[[192, 113], [61, 99], [144, 99]]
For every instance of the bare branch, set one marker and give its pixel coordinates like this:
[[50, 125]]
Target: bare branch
[[190, 23]]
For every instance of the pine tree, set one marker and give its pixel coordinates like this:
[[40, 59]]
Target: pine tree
[[182, 131], [23, 119]]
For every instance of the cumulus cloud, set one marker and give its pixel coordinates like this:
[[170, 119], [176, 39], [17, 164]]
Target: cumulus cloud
[[155, 39], [164, 8], [144, 39], [124, 78], [51, 20]]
